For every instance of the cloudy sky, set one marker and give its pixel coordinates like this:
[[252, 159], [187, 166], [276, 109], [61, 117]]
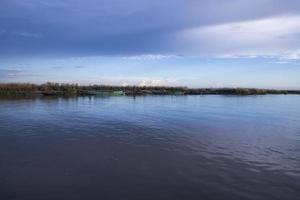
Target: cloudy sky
[[196, 43]]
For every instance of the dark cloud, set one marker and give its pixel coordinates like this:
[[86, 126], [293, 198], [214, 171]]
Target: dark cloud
[[117, 27]]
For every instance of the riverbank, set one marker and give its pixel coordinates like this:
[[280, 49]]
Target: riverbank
[[56, 89]]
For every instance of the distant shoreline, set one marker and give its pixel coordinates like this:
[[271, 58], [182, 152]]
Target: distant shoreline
[[56, 89]]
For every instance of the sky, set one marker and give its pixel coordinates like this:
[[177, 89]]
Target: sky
[[194, 43]]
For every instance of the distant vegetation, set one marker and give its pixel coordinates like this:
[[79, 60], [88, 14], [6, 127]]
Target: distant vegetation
[[56, 89]]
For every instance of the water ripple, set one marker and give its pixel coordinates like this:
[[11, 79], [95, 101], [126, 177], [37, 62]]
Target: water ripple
[[191, 147]]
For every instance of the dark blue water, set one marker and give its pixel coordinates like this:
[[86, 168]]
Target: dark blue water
[[154, 147]]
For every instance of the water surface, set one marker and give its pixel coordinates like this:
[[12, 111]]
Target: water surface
[[154, 147]]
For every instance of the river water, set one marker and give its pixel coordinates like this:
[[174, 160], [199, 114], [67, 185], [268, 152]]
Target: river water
[[153, 147]]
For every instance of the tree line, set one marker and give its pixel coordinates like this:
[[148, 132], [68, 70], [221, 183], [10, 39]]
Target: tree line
[[75, 89]]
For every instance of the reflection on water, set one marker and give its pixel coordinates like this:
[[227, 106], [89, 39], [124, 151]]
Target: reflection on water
[[154, 147]]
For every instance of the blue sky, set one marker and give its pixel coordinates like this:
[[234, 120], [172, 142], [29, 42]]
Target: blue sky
[[195, 43]]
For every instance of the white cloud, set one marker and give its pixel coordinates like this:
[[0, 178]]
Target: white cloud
[[9, 74], [27, 34], [271, 37], [157, 82], [292, 55], [2, 32], [149, 57], [135, 80], [119, 80], [20, 33]]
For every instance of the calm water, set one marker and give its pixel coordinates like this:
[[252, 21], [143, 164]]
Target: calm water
[[155, 147]]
